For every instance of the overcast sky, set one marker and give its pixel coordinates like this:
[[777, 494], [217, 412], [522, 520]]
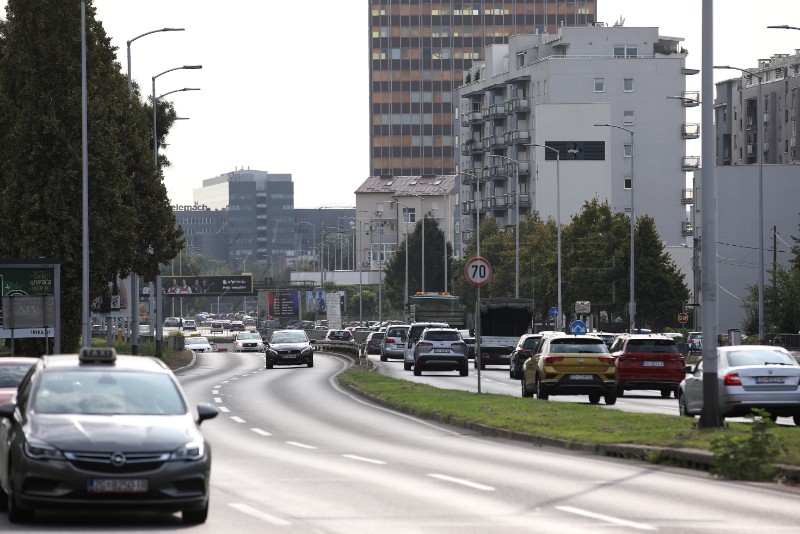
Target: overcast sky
[[284, 85]]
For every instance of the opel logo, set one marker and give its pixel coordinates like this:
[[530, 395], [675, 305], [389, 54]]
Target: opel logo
[[118, 459], [580, 361]]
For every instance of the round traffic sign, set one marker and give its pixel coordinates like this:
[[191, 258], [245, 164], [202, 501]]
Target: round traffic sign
[[478, 271], [683, 317]]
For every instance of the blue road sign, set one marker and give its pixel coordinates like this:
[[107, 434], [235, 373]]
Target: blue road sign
[[577, 328], [553, 311]]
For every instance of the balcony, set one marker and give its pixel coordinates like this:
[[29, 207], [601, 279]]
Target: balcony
[[471, 117], [494, 111], [486, 204], [690, 163], [472, 146], [467, 207], [686, 229], [524, 200], [524, 168], [518, 105], [495, 171], [690, 99], [466, 235], [494, 141], [469, 176], [687, 196], [516, 137], [690, 131]]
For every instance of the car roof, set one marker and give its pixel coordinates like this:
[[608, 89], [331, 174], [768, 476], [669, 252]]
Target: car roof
[[124, 362]]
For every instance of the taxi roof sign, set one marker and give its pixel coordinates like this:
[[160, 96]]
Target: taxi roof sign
[[98, 355]]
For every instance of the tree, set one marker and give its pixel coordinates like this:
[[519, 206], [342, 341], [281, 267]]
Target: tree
[[131, 224]]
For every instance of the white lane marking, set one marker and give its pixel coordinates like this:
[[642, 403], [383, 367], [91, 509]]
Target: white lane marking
[[225, 382], [260, 432], [217, 399], [237, 419], [461, 481], [301, 445], [364, 459], [215, 392], [606, 518], [249, 510], [223, 409]]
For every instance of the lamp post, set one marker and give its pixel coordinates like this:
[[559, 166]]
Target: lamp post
[[405, 225], [558, 220], [516, 219], [760, 151], [130, 83], [159, 288], [341, 248], [632, 303], [783, 27], [445, 227]]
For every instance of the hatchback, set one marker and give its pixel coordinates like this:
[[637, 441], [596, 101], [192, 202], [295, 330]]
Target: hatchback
[[289, 347], [441, 349], [750, 377], [522, 351], [414, 332], [189, 324], [647, 361]]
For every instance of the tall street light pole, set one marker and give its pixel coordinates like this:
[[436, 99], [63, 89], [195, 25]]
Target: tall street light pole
[[159, 288], [759, 123], [87, 326], [516, 219], [130, 82], [445, 226], [632, 303], [558, 219], [405, 225]]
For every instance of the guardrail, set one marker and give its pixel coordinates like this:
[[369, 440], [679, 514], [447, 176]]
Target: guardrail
[[348, 348]]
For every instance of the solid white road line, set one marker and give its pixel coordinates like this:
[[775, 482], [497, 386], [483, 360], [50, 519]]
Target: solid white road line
[[461, 481], [237, 419], [260, 432], [606, 518], [249, 510], [301, 445], [364, 459]]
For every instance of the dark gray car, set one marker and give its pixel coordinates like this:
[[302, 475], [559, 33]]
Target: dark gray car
[[289, 347]]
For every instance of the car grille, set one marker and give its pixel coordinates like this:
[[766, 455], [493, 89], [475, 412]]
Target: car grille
[[286, 352], [101, 462]]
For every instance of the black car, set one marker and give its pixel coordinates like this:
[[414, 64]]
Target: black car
[[522, 351], [289, 347], [373, 343]]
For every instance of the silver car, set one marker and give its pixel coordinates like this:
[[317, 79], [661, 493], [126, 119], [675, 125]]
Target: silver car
[[440, 349], [394, 344], [414, 332], [750, 376], [248, 342]]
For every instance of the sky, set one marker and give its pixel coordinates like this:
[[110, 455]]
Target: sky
[[284, 86]]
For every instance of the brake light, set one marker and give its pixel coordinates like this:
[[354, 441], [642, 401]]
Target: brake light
[[424, 344], [553, 359], [606, 359], [390, 340], [459, 344], [732, 379]]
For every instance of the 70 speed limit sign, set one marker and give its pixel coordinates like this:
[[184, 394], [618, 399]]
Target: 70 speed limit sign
[[478, 271]]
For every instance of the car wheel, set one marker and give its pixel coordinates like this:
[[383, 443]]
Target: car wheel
[[620, 391], [610, 399], [665, 393], [406, 366], [417, 370], [682, 410], [525, 391], [383, 358], [269, 365], [464, 371], [540, 393], [512, 374], [195, 517], [310, 363], [796, 420], [594, 398]]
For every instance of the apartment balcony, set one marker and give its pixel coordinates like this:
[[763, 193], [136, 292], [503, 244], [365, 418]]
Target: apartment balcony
[[466, 235], [687, 229], [494, 111], [494, 141], [467, 207], [471, 117], [690, 99], [469, 176], [690, 163], [494, 172], [524, 168], [524, 200], [516, 137], [687, 196], [518, 105], [690, 131], [472, 146], [486, 204]]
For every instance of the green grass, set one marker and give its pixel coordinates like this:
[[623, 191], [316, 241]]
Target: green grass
[[574, 423]]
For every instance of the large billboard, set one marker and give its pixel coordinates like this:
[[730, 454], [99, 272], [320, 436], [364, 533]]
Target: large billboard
[[284, 303], [181, 286], [32, 287]]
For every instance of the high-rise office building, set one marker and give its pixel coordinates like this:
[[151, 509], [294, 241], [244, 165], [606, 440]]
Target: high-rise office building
[[418, 52]]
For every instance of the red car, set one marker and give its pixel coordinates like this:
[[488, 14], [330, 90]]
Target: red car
[[12, 371], [647, 361]]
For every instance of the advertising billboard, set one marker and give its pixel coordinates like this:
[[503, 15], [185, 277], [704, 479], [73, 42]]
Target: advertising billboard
[[20, 281], [284, 303], [182, 286]]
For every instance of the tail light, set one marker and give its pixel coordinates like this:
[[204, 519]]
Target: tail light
[[732, 379], [424, 344], [606, 359], [553, 359], [390, 340], [459, 344], [525, 352]]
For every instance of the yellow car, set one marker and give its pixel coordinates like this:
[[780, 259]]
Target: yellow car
[[570, 365]]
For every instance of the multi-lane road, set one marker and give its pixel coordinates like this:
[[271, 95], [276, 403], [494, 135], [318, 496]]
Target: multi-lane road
[[295, 453]]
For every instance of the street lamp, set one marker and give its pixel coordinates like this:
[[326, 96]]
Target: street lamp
[[445, 227], [759, 122], [130, 83], [405, 225], [516, 219], [632, 303], [558, 219], [782, 27]]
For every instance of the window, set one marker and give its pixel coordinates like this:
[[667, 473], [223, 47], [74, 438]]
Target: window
[[625, 51], [627, 85], [409, 215], [627, 150], [627, 118], [627, 182], [599, 85]]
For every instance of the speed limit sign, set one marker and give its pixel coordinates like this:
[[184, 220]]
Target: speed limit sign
[[478, 271]]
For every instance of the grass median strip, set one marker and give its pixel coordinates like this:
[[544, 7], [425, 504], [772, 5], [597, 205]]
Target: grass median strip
[[574, 423]]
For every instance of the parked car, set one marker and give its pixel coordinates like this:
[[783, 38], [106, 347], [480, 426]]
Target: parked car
[[750, 377], [248, 342], [289, 347], [339, 335], [12, 371], [522, 351], [414, 332], [197, 344], [570, 365], [189, 324], [607, 337], [394, 343], [101, 431], [172, 321], [647, 361], [373, 343], [441, 349]]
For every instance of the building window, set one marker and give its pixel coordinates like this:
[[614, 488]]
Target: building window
[[627, 118], [625, 51], [599, 85], [627, 184], [409, 215], [627, 150], [627, 85]]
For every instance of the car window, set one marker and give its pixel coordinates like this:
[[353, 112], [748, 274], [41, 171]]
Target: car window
[[248, 335], [744, 357], [12, 374], [398, 332], [196, 340], [573, 345], [530, 342], [438, 335], [651, 345]]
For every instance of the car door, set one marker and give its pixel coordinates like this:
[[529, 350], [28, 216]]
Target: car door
[[693, 389]]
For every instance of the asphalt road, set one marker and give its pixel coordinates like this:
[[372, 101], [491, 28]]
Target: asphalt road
[[295, 453]]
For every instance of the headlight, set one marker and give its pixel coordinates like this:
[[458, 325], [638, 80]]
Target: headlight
[[307, 350], [271, 352], [41, 451], [194, 450]]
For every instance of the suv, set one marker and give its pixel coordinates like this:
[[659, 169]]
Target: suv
[[394, 344], [441, 349], [414, 332], [189, 324], [694, 342], [570, 365], [522, 351], [648, 361]]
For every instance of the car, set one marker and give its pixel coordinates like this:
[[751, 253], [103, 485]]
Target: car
[[217, 327], [372, 345], [270, 323], [289, 347], [249, 322], [441, 349], [469, 338], [197, 344], [189, 324], [694, 342], [647, 361], [248, 342], [414, 332], [607, 337], [97, 430], [172, 321], [522, 351], [12, 371], [236, 326], [570, 365], [339, 335], [394, 343], [749, 377]]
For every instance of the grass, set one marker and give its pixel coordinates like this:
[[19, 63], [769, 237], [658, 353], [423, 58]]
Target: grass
[[574, 423]]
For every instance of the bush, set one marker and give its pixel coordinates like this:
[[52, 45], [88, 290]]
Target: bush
[[748, 458]]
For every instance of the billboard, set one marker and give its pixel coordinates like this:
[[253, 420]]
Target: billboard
[[19, 281], [284, 303], [182, 286], [316, 303]]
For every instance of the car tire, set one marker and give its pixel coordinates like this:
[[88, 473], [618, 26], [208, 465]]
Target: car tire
[[594, 398], [383, 358], [610, 399], [417, 370], [195, 516], [620, 391], [796, 419], [406, 366], [269, 365], [526, 393], [310, 363], [665, 393], [682, 409], [464, 371], [540, 394]]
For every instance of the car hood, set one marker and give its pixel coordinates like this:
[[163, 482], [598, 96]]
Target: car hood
[[289, 346], [123, 432]]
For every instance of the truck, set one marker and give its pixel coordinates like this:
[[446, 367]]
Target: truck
[[503, 321], [438, 308]]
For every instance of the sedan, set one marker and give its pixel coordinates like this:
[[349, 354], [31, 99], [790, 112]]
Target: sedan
[[198, 344], [248, 342], [750, 377], [12, 371], [103, 432]]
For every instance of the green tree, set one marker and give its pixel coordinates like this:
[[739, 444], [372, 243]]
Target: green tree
[[131, 225]]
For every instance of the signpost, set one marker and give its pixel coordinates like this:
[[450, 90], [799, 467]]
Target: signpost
[[478, 271], [577, 328], [683, 317]]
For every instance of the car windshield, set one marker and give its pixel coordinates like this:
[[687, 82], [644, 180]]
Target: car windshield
[[398, 332], [99, 392], [652, 345], [740, 358], [12, 374], [248, 335], [289, 337], [573, 345], [196, 341]]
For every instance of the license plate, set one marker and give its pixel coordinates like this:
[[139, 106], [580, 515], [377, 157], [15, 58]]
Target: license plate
[[441, 350], [653, 363], [581, 377], [769, 380], [289, 356], [116, 485]]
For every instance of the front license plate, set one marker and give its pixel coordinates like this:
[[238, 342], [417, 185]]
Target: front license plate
[[116, 485], [581, 377], [290, 356], [653, 363], [441, 350], [769, 380]]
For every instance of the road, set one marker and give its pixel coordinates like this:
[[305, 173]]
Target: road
[[295, 453]]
